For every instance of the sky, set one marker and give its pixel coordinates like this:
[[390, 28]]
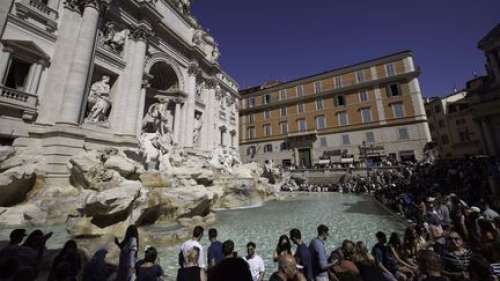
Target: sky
[[262, 40]]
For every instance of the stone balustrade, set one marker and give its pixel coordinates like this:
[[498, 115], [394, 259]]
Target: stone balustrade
[[20, 100]]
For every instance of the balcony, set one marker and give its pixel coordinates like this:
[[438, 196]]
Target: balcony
[[39, 12], [19, 100]]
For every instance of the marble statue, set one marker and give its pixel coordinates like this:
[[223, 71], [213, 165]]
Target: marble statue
[[99, 101], [158, 117], [198, 124], [215, 53], [199, 89], [114, 39]]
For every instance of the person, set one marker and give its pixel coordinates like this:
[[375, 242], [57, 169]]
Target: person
[[147, 269], [456, 258], [8, 267], [366, 264], [128, 254], [191, 271], [30, 254], [385, 263], [284, 247], [255, 262], [431, 266], [302, 254], [96, 269], [67, 263], [345, 269], [231, 267], [214, 251], [395, 248], [190, 244], [15, 238], [319, 260], [287, 270], [488, 213]]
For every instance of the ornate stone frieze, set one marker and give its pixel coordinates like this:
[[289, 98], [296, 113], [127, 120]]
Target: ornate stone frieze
[[140, 34], [112, 37], [194, 69]]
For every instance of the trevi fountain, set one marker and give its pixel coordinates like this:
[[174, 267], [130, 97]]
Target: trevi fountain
[[126, 117]]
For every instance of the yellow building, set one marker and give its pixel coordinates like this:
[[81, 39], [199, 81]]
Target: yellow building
[[373, 108]]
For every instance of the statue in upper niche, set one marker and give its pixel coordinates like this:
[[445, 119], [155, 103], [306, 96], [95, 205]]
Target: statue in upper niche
[[184, 6], [99, 101], [112, 38]]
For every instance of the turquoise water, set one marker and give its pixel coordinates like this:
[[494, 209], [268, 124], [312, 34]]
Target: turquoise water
[[354, 217]]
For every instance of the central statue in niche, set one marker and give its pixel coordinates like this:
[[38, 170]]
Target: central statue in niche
[[158, 145]]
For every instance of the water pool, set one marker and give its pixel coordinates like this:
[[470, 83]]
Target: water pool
[[349, 216]]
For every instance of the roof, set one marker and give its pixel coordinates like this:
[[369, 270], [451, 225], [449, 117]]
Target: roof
[[491, 36], [260, 87]]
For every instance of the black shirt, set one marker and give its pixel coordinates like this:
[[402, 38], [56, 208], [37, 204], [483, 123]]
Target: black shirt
[[191, 273], [275, 277], [148, 273]]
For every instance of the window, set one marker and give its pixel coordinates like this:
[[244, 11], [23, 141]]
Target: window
[[251, 102], [339, 100], [393, 90], [268, 148], [397, 110], [251, 133], [366, 115], [317, 87], [319, 104], [300, 91], [370, 137], [320, 122], [300, 107], [346, 140], [266, 99], [301, 125], [283, 146], [283, 111], [17, 73], [342, 118], [441, 123], [284, 128], [283, 94], [360, 76], [363, 95], [437, 108], [267, 130], [267, 115], [323, 142], [403, 134], [389, 69], [251, 118], [338, 82], [452, 108], [444, 139]]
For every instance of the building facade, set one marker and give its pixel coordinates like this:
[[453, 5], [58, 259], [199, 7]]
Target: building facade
[[453, 128], [484, 95], [87, 74], [372, 109]]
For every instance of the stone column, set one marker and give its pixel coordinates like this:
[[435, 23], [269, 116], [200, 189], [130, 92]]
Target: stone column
[[189, 105], [4, 62], [208, 120], [56, 76], [177, 120], [78, 73], [34, 77], [136, 78]]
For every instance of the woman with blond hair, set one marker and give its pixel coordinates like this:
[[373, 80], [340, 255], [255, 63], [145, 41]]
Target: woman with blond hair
[[191, 271]]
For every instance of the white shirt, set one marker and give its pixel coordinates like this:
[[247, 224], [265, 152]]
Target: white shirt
[[256, 264], [188, 246]]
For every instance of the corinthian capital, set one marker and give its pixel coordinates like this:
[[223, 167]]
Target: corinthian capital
[[140, 33], [78, 5], [194, 68]]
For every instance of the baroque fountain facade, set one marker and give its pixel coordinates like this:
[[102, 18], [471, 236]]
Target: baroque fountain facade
[[123, 116]]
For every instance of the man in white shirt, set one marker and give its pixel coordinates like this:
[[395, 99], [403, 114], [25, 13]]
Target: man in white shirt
[[190, 244], [255, 262]]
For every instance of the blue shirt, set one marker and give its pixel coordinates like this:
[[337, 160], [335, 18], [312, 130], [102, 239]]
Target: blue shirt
[[215, 252], [318, 258], [304, 256]]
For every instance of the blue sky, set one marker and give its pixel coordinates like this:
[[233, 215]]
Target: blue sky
[[283, 40]]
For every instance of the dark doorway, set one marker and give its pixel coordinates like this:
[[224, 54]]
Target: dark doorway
[[305, 158]]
